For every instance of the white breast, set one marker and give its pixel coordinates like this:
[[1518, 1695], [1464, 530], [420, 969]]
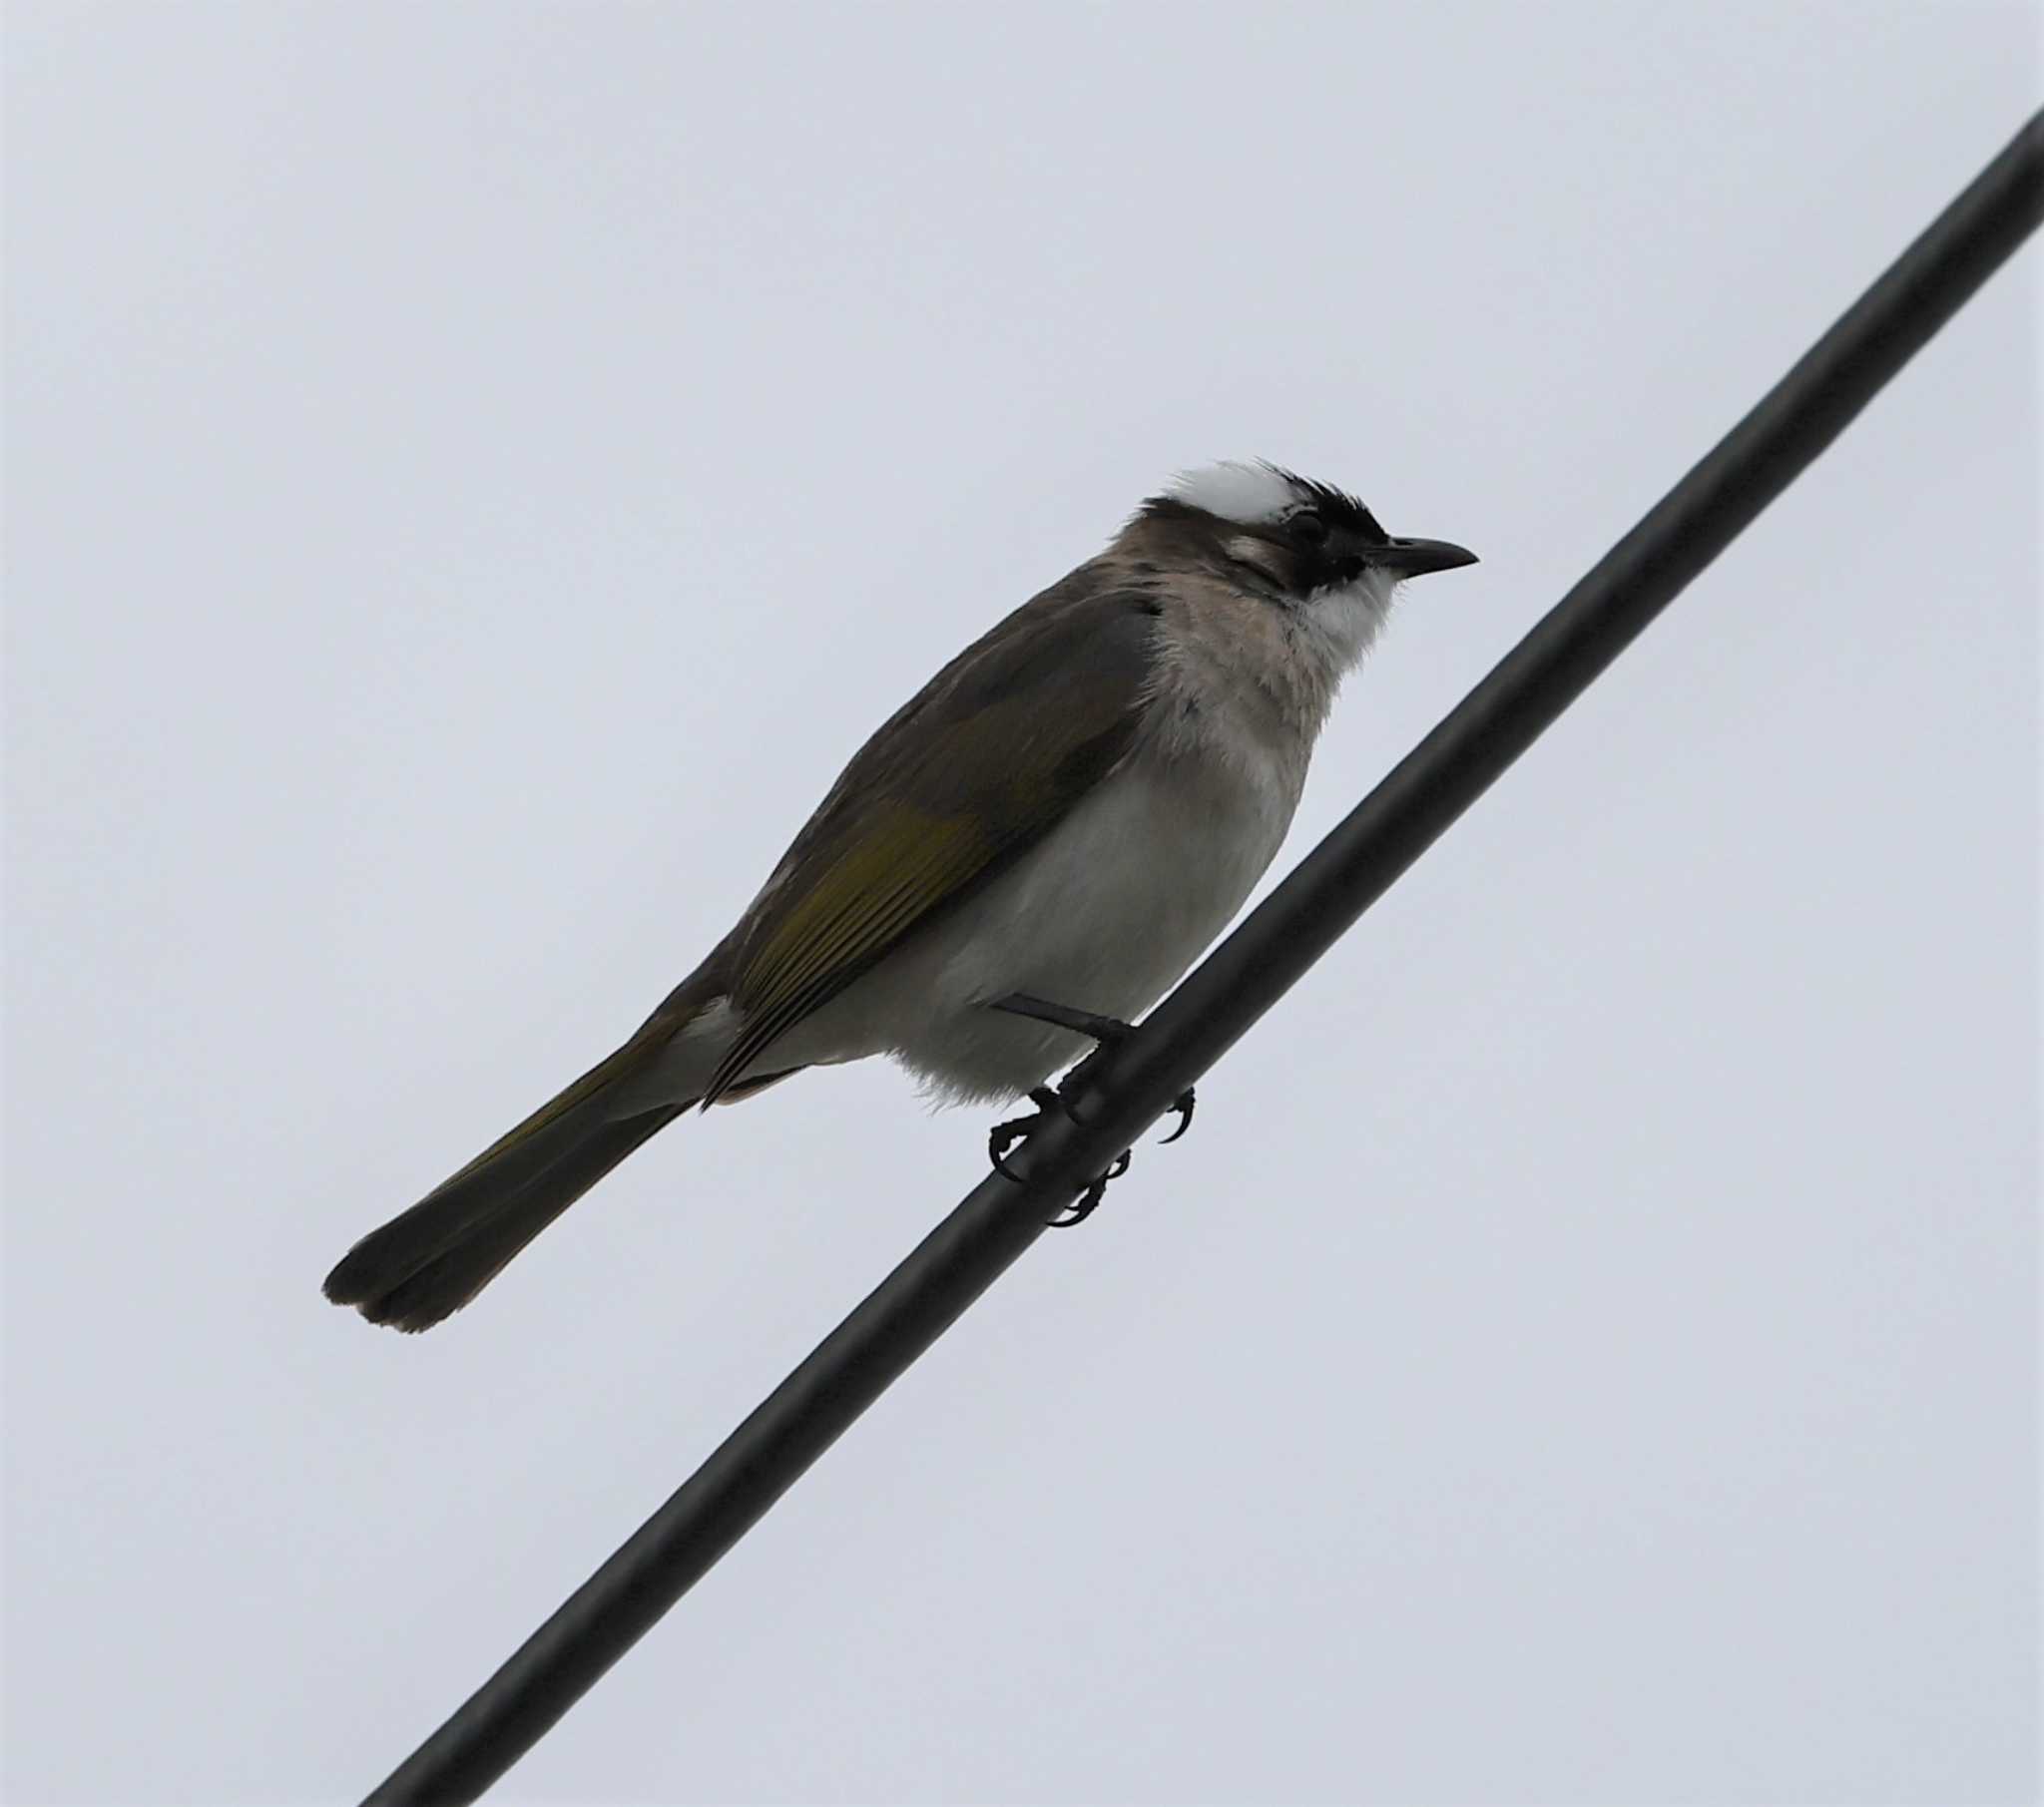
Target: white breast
[[1112, 907], [1103, 915]]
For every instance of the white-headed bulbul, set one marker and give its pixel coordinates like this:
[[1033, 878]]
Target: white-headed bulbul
[[1054, 825]]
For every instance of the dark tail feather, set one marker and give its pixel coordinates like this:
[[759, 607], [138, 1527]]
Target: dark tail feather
[[428, 1263]]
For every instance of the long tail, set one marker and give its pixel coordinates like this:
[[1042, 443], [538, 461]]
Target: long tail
[[428, 1263]]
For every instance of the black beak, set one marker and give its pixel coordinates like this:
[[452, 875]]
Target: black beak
[[1415, 558]]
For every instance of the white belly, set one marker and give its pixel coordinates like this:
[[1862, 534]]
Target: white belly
[[1103, 915]]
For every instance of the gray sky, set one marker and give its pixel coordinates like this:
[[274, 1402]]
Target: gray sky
[[474, 478]]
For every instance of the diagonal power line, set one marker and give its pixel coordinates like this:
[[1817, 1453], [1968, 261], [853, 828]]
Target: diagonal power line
[[1319, 902]]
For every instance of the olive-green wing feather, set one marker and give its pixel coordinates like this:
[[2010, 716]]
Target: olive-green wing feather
[[974, 770]]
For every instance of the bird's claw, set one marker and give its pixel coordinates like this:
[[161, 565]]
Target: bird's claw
[[1183, 1104], [1003, 1137], [1087, 1200], [1107, 1032]]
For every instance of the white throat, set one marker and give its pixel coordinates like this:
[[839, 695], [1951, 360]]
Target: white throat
[[1339, 623]]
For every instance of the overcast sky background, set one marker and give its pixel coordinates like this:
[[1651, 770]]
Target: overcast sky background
[[477, 472]]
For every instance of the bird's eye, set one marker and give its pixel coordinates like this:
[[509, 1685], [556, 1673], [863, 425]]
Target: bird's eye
[[1307, 527]]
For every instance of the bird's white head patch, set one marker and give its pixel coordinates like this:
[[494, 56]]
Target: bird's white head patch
[[1252, 494]]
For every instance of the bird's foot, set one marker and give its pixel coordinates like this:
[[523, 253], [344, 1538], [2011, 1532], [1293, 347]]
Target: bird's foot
[[1107, 1032], [1003, 1137], [1095, 1189]]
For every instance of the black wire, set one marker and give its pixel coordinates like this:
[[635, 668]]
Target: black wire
[[1193, 1028]]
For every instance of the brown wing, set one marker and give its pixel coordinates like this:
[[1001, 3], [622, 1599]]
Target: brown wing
[[969, 776]]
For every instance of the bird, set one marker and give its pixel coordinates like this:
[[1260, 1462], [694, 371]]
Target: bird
[[1025, 856]]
